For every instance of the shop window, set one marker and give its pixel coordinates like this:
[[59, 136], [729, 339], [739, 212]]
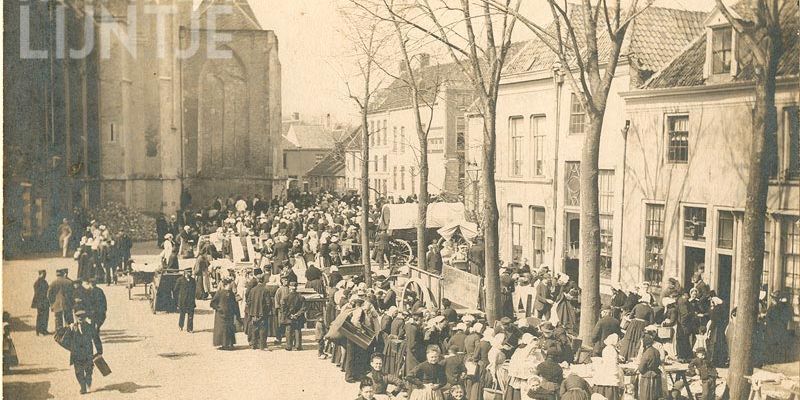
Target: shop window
[[694, 223], [537, 215], [515, 213], [654, 244]]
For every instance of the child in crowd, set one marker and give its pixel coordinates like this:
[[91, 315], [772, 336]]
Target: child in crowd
[[703, 368]]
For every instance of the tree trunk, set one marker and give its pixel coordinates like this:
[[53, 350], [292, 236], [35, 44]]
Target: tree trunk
[[749, 275], [422, 211], [365, 253], [490, 215], [590, 228]]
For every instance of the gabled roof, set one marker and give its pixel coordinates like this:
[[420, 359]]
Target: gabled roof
[[331, 165], [653, 38], [686, 69], [242, 7], [398, 93], [313, 137]]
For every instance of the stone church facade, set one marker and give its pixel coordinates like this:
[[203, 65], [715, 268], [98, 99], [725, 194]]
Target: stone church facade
[[191, 122]]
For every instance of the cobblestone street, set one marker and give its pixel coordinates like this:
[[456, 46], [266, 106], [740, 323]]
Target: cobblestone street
[[150, 358]]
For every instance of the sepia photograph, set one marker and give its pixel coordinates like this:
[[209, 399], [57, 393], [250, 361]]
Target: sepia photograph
[[401, 199]]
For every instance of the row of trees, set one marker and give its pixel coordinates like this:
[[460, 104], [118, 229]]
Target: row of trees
[[476, 35]]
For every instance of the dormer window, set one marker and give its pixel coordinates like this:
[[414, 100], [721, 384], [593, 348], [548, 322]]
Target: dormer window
[[722, 50]]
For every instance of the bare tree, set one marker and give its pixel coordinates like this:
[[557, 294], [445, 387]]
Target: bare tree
[[574, 35], [763, 38], [366, 39], [480, 57]]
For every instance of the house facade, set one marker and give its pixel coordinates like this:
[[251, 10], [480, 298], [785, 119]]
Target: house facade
[[394, 144], [303, 147], [687, 165], [540, 134]]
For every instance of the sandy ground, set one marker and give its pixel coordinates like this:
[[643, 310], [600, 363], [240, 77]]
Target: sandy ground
[[150, 358]]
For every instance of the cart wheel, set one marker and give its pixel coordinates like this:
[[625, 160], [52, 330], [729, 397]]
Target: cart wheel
[[152, 298], [401, 251]]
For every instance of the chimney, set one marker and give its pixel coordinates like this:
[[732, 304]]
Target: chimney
[[328, 121], [295, 116], [424, 60]]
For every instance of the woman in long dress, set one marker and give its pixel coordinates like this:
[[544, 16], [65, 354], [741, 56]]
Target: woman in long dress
[[641, 316], [226, 312], [481, 358], [608, 375], [717, 346], [649, 371]]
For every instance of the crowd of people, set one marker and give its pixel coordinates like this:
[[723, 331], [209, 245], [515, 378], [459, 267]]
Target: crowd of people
[[407, 347]]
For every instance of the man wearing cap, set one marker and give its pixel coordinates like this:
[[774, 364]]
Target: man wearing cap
[[433, 259], [85, 341], [381, 247], [184, 293], [293, 310], [41, 303], [61, 298], [97, 307]]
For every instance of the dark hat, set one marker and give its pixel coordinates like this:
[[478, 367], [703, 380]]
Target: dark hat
[[417, 313], [92, 280], [505, 320], [258, 271], [293, 283], [42, 271]]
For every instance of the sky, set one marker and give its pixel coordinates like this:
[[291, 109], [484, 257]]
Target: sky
[[312, 49]]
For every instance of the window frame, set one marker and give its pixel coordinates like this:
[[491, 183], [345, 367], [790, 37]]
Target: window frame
[[536, 229], [653, 235], [726, 53], [576, 110], [516, 245], [538, 144], [671, 151], [606, 185], [516, 141]]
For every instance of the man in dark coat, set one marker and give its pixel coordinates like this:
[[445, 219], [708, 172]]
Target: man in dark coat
[[41, 303], [60, 296], [433, 260], [184, 294], [259, 309], [543, 302], [85, 341], [314, 279], [281, 254], [293, 310], [415, 345], [97, 306], [381, 247], [448, 312], [603, 329], [125, 245], [476, 257]]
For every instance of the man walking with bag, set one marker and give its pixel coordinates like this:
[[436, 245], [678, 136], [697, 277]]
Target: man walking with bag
[[84, 342]]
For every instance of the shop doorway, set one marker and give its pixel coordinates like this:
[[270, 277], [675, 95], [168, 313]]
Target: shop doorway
[[572, 261], [694, 258], [724, 275]]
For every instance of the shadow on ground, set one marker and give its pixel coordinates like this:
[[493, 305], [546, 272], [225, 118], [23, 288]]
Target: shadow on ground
[[26, 391], [177, 356], [19, 324], [33, 371], [127, 387], [119, 336]]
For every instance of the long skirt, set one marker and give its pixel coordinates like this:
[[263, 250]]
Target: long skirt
[[224, 331], [393, 351], [426, 394], [609, 392], [650, 386], [482, 380], [683, 347], [629, 345]]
